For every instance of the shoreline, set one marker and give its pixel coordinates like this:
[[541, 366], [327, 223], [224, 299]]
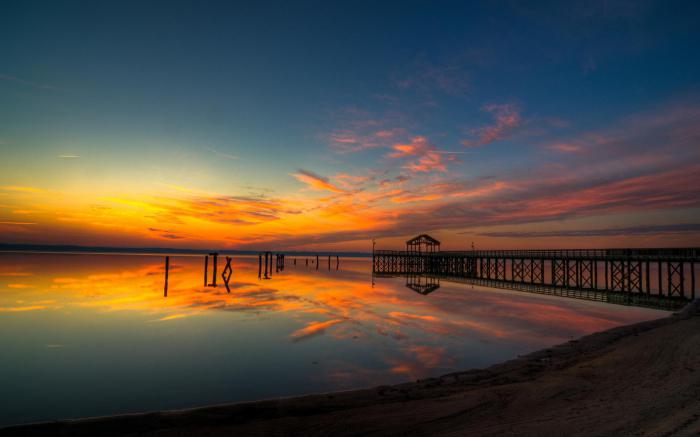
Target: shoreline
[[639, 377]]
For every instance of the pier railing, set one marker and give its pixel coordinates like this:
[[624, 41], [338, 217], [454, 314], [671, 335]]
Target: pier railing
[[664, 253]]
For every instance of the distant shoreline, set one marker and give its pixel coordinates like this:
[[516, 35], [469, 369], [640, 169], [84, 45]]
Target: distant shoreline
[[605, 383], [41, 248]]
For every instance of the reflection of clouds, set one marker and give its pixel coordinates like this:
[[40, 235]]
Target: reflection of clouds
[[23, 308], [419, 360], [526, 317], [172, 317], [444, 326], [411, 335], [17, 285], [400, 315], [313, 329]]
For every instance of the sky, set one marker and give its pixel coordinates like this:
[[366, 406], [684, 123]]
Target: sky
[[322, 125]]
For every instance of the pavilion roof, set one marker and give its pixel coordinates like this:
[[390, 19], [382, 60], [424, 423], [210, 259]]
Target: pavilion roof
[[422, 238]]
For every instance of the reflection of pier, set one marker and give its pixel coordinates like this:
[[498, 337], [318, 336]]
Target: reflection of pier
[[422, 284], [629, 276]]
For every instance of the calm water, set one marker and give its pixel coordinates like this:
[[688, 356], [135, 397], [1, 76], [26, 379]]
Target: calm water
[[86, 335]]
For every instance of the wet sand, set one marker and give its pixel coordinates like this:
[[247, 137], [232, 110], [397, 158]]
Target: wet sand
[[641, 379]]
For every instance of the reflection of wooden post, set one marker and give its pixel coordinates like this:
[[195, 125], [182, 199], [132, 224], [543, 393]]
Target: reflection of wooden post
[[206, 269], [216, 262], [226, 274], [167, 267]]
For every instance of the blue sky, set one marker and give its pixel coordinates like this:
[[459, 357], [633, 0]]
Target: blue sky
[[236, 99]]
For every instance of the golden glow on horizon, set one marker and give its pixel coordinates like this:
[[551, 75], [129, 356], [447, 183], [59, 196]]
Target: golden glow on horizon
[[344, 212]]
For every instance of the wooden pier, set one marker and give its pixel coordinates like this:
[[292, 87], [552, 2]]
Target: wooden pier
[[629, 274]]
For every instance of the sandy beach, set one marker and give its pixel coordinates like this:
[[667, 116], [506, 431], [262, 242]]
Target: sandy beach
[[641, 379]]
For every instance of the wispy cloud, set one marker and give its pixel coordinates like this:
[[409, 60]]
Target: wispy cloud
[[361, 135], [69, 156], [452, 80], [166, 234], [316, 182], [219, 153], [506, 119], [429, 158], [566, 147], [313, 329], [635, 230], [351, 182], [26, 82], [22, 189]]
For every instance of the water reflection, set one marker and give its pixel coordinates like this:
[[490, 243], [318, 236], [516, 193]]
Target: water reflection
[[427, 283], [64, 316], [422, 284]]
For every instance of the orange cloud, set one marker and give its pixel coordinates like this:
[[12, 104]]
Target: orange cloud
[[22, 189], [418, 145], [313, 328], [316, 182], [429, 158], [430, 161]]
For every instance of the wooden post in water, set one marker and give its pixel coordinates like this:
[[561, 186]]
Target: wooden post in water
[[316, 261], [692, 280], [167, 268], [259, 265], [329, 262]]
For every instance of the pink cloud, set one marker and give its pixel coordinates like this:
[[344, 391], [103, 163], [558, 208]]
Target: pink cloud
[[350, 182], [506, 120], [362, 134], [565, 147], [385, 134], [429, 158], [430, 161]]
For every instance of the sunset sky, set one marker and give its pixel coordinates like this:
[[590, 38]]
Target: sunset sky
[[315, 125]]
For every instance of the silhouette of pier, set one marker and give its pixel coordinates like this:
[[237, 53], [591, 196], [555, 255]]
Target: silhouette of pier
[[629, 276]]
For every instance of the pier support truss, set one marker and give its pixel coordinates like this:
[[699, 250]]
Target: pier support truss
[[668, 273]]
